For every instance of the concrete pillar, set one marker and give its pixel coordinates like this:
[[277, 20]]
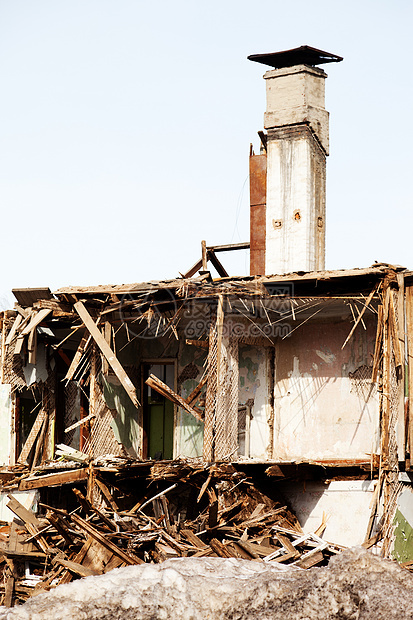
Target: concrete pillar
[[297, 146]]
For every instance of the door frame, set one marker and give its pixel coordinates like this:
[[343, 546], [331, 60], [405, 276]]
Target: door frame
[[164, 361]]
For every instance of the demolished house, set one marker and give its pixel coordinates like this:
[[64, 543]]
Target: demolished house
[[299, 380]]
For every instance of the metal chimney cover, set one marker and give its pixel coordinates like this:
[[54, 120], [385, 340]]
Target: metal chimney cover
[[303, 55]]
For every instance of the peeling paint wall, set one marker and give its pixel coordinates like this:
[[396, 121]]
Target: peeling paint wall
[[325, 405], [253, 384], [403, 530]]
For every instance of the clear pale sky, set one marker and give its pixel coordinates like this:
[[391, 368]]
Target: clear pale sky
[[125, 128]]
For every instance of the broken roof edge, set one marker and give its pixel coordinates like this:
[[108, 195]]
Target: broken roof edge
[[376, 269]]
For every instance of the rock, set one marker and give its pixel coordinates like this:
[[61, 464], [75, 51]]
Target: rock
[[356, 585]]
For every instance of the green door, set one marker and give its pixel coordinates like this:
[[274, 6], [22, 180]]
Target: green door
[[159, 414]]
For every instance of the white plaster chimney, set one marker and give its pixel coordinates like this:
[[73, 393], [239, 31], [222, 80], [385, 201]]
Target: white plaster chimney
[[297, 145]]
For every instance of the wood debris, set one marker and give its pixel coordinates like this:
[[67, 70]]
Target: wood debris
[[116, 514]]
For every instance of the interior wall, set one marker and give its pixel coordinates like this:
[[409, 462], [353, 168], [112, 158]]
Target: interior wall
[[253, 385], [345, 503], [325, 404]]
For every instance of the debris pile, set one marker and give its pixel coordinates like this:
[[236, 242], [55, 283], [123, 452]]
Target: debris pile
[[112, 513]]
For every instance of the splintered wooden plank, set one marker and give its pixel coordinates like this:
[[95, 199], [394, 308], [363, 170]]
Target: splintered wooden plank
[[217, 264], [88, 418], [77, 357], [27, 516], [193, 270], [14, 329], [105, 542], [378, 345], [395, 336], [360, 316], [310, 559], [107, 495], [194, 395], [107, 352], [168, 393], [78, 558], [98, 558], [258, 551], [13, 538], [221, 550], [9, 591], [76, 568], [19, 345], [30, 520], [32, 436], [53, 479], [193, 539], [36, 320]]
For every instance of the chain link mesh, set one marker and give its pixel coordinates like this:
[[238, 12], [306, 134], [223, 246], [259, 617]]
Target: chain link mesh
[[394, 392], [221, 407], [101, 438]]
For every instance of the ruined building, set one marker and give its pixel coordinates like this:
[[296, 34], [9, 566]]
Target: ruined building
[[295, 371]]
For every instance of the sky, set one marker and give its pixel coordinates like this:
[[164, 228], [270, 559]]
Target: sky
[[125, 128]]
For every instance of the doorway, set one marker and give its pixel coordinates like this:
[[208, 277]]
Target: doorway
[[158, 412]]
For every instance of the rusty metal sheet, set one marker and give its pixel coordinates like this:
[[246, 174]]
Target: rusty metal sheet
[[258, 198]]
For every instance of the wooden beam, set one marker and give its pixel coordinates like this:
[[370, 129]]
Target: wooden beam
[[394, 333], [74, 475], [107, 352], [14, 329], [168, 393], [88, 418], [229, 247], [204, 256], [27, 516], [192, 271], [203, 344], [194, 395], [74, 567], [107, 494], [378, 345], [34, 431], [217, 264], [32, 346], [78, 356]]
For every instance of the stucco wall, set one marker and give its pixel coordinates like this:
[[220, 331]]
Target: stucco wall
[[324, 409], [345, 504]]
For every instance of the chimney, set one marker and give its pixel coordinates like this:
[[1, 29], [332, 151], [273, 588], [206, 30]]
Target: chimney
[[297, 143]]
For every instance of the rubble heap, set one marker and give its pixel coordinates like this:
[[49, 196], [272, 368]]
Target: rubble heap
[[113, 512]]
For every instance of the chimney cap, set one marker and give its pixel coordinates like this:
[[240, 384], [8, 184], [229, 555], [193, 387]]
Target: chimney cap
[[303, 55]]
